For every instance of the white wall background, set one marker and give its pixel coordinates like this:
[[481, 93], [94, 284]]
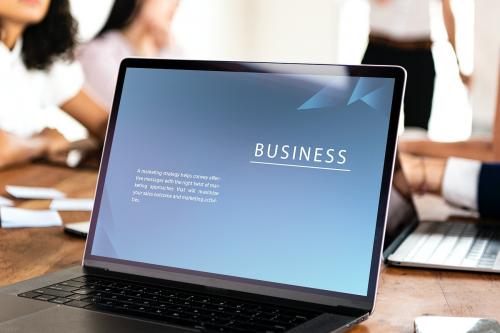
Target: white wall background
[[295, 30], [259, 30]]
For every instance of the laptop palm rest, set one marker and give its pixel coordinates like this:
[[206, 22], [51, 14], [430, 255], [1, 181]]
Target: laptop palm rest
[[59, 319]]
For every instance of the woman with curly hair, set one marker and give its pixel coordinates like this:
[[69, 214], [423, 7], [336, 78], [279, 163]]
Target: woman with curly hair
[[37, 38]]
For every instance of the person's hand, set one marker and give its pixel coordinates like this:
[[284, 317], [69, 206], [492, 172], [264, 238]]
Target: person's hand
[[425, 174], [410, 146], [467, 80], [56, 146], [413, 170], [4, 149]]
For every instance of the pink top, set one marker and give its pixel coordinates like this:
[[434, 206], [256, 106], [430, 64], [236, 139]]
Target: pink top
[[100, 59]]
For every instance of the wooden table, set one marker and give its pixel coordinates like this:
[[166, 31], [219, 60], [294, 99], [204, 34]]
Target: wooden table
[[25, 253], [403, 293]]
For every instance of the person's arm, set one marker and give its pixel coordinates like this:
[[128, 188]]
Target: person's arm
[[92, 116], [450, 25], [424, 174], [472, 149], [474, 185], [462, 182], [488, 190], [15, 149], [454, 178]]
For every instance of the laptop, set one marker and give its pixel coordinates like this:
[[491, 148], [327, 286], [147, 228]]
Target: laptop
[[457, 245], [231, 197]]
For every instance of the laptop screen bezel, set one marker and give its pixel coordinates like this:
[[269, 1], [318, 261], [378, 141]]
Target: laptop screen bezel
[[308, 295]]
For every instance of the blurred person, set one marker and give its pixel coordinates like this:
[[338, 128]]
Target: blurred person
[[133, 28], [37, 38], [487, 150], [400, 34], [467, 173]]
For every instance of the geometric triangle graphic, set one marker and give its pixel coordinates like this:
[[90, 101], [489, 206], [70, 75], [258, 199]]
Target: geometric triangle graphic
[[322, 99], [333, 94], [380, 99], [365, 86], [374, 91]]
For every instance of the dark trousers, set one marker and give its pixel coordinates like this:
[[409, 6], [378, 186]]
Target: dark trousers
[[419, 65]]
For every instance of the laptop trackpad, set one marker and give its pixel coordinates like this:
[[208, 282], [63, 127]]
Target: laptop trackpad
[[67, 319]]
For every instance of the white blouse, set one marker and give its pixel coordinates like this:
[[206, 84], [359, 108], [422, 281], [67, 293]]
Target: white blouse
[[26, 94], [401, 19]]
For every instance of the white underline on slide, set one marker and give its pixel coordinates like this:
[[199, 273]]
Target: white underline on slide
[[300, 166]]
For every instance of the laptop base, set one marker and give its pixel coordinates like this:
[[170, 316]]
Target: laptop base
[[25, 311]]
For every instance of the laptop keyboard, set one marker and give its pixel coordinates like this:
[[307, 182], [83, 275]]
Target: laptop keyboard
[[173, 306], [452, 244]]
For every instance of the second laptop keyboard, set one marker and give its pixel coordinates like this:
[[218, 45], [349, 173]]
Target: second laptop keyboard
[[452, 244]]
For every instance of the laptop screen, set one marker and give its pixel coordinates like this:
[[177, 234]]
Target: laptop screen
[[247, 176]]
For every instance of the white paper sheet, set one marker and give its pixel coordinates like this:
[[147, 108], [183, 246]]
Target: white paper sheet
[[27, 192], [78, 227], [72, 204], [21, 218], [6, 202]]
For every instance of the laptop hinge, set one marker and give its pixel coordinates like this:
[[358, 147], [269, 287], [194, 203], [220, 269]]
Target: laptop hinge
[[400, 238], [340, 310]]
